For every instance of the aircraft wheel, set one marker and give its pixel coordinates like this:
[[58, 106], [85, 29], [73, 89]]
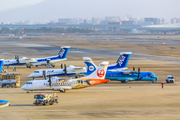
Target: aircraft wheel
[[51, 103], [27, 91], [64, 91], [123, 81]]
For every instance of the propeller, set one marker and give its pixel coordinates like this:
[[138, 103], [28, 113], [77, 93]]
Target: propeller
[[17, 58], [138, 73], [133, 68], [49, 81], [61, 66], [44, 75], [65, 70]]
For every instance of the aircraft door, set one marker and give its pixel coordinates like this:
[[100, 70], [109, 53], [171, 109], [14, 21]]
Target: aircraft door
[[81, 83]]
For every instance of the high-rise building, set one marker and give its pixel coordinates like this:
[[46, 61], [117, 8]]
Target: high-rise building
[[155, 21], [112, 19], [96, 20], [64, 20], [175, 20]]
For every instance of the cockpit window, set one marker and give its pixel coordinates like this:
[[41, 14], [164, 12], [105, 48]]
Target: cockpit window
[[39, 97], [150, 73], [29, 83], [36, 71], [170, 77]]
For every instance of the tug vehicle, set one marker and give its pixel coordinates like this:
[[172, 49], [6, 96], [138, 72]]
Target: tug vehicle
[[45, 99]]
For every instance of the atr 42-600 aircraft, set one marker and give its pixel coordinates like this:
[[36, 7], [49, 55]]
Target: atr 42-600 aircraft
[[38, 61], [55, 83], [123, 75]]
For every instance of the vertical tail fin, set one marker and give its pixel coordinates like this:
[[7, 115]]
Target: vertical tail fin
[[1, 65], [90, 66], [63, 52], [100, 72], [121, 62]]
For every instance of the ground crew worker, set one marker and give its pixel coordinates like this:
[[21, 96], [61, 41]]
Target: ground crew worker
[[15, 68], [162, 84]]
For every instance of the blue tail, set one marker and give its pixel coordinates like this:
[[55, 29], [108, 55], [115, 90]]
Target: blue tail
[[90, 66], [1, 65], [121, 62], [63, 52]]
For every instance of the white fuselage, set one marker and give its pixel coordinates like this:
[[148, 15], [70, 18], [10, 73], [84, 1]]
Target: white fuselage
[[71, 71], [57, 84], [32, 61]]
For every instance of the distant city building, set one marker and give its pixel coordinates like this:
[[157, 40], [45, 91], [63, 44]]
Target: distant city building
[[143, 23], [127, 22], [156, 21], [112, 19], [114, 23], [75, 21], [64, 20], [96, 21], [175, 20], [87, 21]]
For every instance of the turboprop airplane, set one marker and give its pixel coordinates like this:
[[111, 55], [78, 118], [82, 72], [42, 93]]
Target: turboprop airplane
[[122, 75], [55, 83], [121, 63], [29, 62], [1, 65], [69, 71]]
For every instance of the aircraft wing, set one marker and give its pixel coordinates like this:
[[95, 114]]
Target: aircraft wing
[[30, 61], [119, 69], [61, 87], [71, 66]]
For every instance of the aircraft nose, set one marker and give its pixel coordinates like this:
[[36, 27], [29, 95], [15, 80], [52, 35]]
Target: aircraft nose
[[22, 87], [30, 75]]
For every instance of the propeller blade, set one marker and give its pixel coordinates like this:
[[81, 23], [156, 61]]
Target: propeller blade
[[138, 73], [133, 68], [65, 70], [44, 75], [49, 81]]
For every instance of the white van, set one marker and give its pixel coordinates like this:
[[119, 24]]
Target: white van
[[170, 79]]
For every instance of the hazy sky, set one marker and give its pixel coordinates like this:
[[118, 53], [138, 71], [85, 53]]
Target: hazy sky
[[7, 4], [45, 10]]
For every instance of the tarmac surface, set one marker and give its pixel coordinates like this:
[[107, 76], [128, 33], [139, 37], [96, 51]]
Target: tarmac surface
[[133, 100]]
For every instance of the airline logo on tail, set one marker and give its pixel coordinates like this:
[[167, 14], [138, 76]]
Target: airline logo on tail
[[91, 68], [1, 65], [62, 52], [100, 73], [121, 60]]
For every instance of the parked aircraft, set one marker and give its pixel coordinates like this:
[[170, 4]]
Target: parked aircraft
[[1, 65], [123, 75], [69, 71], [55, 83], [119, 65], [38, 61]]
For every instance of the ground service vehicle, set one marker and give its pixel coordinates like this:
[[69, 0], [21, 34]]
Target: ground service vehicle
[[45, 99], [170, 79]]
